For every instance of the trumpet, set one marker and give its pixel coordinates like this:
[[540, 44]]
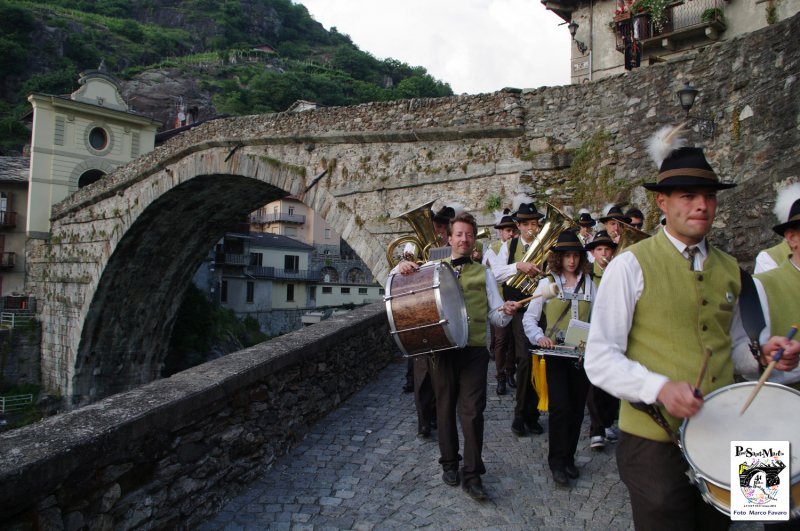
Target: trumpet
[[553, 224]]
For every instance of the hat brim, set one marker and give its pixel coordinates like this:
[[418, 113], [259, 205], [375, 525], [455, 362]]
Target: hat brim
[[686, 181], [623, 219], [570, 247], [528, 217], [608, 243], [781, 228], [441, 219], [505, 226], [587, 223]]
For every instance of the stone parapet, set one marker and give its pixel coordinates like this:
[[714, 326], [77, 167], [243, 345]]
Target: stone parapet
[[167, 454]]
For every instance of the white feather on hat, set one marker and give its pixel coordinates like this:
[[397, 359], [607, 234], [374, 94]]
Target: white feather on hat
[[784, 201], [498, 215], [519, 200], [458, 208], [608, 208], [584, 211], [665, 141]]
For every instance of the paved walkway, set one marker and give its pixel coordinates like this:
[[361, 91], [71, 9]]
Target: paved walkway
[[362, 467]]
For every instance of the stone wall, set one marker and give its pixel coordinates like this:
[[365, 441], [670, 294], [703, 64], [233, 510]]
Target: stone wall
[[19, 355], [166, 455]]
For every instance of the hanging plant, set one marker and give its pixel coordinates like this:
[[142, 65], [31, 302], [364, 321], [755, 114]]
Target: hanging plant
[[657, 9]]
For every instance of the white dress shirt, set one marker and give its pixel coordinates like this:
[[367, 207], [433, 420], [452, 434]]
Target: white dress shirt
[[606, 363], [504, 270], [530, 321], [490, 258], [764, 263]]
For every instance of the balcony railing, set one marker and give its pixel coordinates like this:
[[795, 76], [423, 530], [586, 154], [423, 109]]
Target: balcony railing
[[8, 260], [682, 20], [283, 274], [284, 217], [8, 219], [232, 259]]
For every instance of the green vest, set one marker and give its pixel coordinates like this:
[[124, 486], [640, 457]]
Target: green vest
[[554, 307], [495, 246], [472, 279], [779, 252], [782, 286], [680, 313], [597, 274]]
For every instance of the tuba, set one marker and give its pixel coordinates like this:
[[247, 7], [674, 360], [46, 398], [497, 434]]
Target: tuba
[[424, 237], [554, 223], [628, 235]]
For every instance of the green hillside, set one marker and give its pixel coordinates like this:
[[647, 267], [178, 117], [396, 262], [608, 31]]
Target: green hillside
[[44, 45]]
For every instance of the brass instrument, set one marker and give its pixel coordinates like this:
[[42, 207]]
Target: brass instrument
[[554, 223], [628, 235], [424, 237]]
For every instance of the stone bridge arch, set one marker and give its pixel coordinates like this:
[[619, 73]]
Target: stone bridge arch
[[122, 250]]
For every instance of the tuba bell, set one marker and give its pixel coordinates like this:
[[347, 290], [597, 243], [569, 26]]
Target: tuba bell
[[554, 223], [424, 237], [628, 235]]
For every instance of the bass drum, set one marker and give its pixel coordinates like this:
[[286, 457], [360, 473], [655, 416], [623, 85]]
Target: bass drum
[[706, 437], [426, 310]]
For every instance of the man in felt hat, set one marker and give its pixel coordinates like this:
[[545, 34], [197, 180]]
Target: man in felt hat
[[774, 256], [779, 288], [603, 407], [501, 335], [585, 222], [661, 304], [459, 375], [610, 220], [526, 412]]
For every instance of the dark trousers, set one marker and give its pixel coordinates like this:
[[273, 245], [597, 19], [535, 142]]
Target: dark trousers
[[662, 498], [527, 406], [459, 379], [603, 411], [503, 354], [567, 387], [424, 397]]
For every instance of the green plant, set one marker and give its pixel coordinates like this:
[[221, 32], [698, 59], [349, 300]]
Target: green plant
[[493, 202], [712, 14], [772, 11], [656, 8]]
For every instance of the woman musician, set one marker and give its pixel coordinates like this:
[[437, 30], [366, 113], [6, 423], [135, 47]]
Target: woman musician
[[567, 383]]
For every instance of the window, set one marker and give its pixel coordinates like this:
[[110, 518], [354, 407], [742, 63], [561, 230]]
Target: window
[[223, 291], [291, 231], [98, 138], [251, 288], [327, 234], [290, 292], [362, 291], [291, 263], [345, 290], [327, 289], [291, 211], [312, 293], [381, 291], [256, 259]]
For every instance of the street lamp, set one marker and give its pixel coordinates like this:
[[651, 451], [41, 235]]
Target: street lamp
[[573, 28], [686, 97]]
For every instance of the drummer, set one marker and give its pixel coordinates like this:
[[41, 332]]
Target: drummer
[[662, 302], [459, 375], [566, 380]]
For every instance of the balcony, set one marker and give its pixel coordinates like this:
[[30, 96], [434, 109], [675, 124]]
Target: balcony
[[8, 260], [683, 21], [234, 259], [280, 217], [8, 219], [276, 273]]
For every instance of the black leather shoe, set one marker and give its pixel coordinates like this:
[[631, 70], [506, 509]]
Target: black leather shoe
[[512, 383], [572, 472], [534, 427], [451, 477], [560, 478], [501, 388], [475, 491], [518, 428], [424, 432]]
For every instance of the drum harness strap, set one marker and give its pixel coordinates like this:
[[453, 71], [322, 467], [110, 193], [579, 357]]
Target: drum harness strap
[[580, 294]]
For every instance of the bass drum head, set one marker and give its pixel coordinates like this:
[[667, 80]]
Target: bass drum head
[[706, 437], [450, 301]]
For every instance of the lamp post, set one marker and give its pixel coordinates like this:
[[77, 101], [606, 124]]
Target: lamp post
[[573, 28], [686, 97]]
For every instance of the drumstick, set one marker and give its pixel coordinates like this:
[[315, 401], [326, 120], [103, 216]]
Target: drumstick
[[697, 392], [550, 291], [775, 359]]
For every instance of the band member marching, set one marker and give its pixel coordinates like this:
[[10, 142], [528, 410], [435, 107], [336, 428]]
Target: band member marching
[[566, 380], [610, 220], [585, 222], [662, 303], [778, 254], [459, 375]]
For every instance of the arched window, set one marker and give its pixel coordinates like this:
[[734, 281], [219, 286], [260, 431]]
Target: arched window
[[355, 276], [330, 273], [89, 177]]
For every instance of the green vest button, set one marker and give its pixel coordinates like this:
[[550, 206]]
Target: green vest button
[[700, 278], [705, 327], [704, 302]]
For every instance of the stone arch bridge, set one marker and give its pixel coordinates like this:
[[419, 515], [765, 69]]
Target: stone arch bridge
[[122, 251]]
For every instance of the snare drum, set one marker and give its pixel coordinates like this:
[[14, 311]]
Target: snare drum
[[706, 437], [426, 310], [560, 352]]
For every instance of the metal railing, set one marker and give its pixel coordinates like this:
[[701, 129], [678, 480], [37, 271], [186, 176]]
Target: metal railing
[[14, 319], [279, 273], [232, 259], [15, 403], [280, 216], [679, 17]]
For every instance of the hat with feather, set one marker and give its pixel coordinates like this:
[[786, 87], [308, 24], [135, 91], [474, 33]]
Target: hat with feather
[[525, 209], [585, 219], [678, 165], [446, 213], [787, 206], [612, 211], [503, 220]]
